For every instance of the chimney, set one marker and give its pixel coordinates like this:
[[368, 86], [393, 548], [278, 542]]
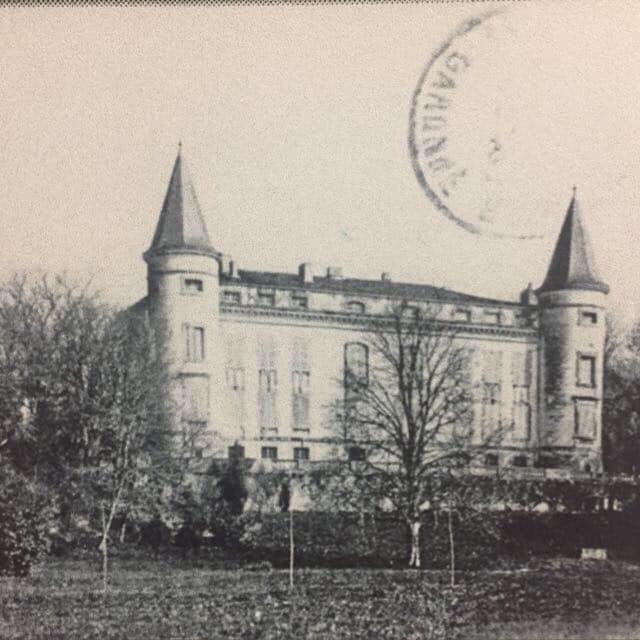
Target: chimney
[[528, 296], [385, 277], [233, 270], [306, 271], [225, 261], [334, 273]]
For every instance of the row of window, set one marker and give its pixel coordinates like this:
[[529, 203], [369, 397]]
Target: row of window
[[300, 454]]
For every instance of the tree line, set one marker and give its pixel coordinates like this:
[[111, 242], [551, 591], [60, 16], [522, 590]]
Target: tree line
[[88, 431]]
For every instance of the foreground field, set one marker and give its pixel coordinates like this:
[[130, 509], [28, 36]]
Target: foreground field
[[566, 599]]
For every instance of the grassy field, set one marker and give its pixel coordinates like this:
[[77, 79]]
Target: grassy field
[[169, 599]]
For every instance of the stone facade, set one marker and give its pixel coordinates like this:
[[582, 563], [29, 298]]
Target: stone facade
[[259, 357]]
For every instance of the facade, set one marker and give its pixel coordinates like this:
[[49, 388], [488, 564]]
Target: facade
[[258, 357]]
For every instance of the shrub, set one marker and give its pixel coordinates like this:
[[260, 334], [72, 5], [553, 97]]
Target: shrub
[[23, 522]]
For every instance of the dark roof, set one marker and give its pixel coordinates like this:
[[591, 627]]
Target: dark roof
[[573, 264], [356, 286], [181, 225]]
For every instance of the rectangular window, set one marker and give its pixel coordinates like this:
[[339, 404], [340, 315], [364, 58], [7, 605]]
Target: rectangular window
[[193, 343], [588, 318], [492, 317], [301, 302], [266, 299], [192, 286], [586, 417], [586, 370], [300, 400], [235, 378], [231, 297], [269, 453], [300, 453]]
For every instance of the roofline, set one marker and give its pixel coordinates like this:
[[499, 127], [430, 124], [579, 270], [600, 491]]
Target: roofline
[[319, 285]]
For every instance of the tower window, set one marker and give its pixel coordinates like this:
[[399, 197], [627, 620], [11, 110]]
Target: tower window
[[588, 318], [269, 453], [586, 418], [586, 370], [193, 343], [192, 286]]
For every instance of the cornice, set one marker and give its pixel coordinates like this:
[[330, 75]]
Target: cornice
[[361, 321]]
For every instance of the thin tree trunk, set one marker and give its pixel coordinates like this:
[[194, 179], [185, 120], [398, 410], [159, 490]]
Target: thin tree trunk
[[123, 531], [291, 547], [414, 560], [452, 554], [104, 550]]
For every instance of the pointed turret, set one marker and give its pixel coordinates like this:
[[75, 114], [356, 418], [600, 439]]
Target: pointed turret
[[572, 312], [181, 225], [573, 264]]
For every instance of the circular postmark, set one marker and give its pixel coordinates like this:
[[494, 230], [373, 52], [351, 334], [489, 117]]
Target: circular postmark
[[467, 130]]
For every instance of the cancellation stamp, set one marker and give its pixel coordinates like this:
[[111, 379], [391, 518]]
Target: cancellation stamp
[[464, 120]]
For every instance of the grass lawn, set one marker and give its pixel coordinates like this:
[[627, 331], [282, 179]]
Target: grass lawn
[[168, 599]]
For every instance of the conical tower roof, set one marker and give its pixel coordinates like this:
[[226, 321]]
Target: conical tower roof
[[573, 264], [181, 225]]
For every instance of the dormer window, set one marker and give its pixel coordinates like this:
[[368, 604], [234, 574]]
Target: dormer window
[[192, 286], [300, 302], [355, 306], [231, 297], [266, 299], [492, 317], [462, 315]]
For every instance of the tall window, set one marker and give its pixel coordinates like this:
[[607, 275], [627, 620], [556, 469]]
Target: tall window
[[521, 413], [521, 364], [356, 365], [267, 387], [193, 343], [235, 378], [586, 370], [491, 392], [300, 389]]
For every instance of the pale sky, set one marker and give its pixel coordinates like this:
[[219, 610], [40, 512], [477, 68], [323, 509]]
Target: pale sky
[[294, 122]]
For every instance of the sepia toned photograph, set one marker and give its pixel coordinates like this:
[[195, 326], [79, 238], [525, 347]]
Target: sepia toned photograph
[[320, 319]]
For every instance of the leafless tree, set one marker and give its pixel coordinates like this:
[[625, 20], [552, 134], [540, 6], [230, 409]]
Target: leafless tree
[[407, 411]]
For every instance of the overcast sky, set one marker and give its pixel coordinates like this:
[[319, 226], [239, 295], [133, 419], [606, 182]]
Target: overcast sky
[[294, 122]]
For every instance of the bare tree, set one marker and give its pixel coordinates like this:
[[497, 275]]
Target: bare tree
[[407, 412]]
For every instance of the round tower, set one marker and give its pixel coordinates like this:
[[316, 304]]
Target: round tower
[[572, 331], [183, 304]]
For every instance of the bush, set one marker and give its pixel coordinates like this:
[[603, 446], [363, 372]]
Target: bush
[[23, 522]]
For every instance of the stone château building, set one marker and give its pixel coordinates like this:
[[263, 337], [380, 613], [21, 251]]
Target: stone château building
[[259, 356]]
